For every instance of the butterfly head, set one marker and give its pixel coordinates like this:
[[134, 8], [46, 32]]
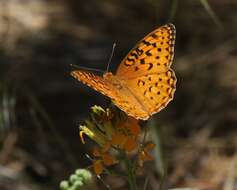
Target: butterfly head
[[108, 75], [113, 79]]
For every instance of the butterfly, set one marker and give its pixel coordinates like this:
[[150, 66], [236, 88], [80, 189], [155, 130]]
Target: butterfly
[[144, 82]]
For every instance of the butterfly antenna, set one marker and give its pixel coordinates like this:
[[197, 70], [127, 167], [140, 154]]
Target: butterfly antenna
[[98, 176], [86, 68], [111, 56]]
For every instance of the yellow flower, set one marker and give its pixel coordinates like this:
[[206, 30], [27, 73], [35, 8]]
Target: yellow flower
[[99, 127], [93, 133], [120, 134], [123, 135]]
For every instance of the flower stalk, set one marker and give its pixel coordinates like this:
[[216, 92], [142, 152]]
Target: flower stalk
[[131, 174]]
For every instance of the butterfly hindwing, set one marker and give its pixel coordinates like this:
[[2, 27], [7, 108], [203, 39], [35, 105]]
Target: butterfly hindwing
[[154, 91]]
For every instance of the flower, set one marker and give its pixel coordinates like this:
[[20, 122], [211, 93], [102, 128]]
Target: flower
[[92, 132], [144, 153], [126, 136], [103, 158], [113, 135]]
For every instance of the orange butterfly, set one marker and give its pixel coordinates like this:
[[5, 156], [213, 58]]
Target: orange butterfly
[[144, 82]]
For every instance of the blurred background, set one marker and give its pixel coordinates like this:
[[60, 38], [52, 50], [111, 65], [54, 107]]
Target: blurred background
[[41, 105]]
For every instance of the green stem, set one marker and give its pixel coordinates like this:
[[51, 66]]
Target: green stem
[[131, 174], [211, 13]]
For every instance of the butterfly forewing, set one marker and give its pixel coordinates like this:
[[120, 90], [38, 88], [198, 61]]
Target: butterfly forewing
[[96, 82], [153, 54]]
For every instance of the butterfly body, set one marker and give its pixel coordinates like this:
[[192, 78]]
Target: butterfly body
[[144, 82]]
